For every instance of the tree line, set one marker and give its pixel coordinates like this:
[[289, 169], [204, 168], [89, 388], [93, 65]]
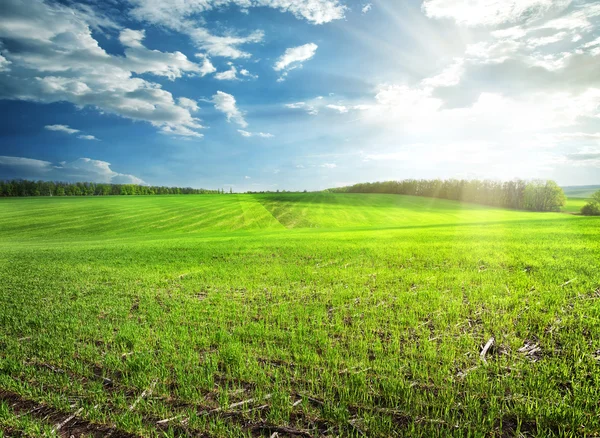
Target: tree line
[[537, 195], [53, 188]]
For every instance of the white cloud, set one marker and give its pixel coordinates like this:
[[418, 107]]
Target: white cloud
[[339, 108], [228, 75], [314, 106], [404, 101], [328, 165], [255, 134], [185, 17], [86, 169], [579, 19], [61, 128], [4, 64], [25, 162], [224, 46], [87, 137], [82, 169], [296, 105], [60, 61], [232, 74], [226, 103], [69, 130], [247, 74], [547, 40], [169, 12], [132, 38], [206, 68], [140, 60], [449, 76], [247, 177], [492, 12], [188, 104], [366, 8], [294, 56], [310, 109]]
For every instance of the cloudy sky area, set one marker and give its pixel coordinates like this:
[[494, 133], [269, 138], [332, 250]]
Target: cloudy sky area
[[299, 94]]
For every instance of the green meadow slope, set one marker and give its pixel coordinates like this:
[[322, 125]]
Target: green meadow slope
[[580, 191], [301, 314], [95, 217]]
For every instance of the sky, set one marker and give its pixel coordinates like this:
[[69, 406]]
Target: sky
[[299, 94]]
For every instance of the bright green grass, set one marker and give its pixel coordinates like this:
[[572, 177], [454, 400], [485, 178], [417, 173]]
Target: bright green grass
[[574, 205], [93, 217], [376, 305]]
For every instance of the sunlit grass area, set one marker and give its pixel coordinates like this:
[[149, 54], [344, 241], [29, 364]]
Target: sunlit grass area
[[302, 314], [139, 216]]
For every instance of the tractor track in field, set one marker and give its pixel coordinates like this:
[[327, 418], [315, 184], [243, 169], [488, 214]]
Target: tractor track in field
[[65, 424], [300, 425]]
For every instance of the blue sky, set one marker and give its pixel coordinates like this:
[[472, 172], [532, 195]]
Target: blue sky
[[299, 94]]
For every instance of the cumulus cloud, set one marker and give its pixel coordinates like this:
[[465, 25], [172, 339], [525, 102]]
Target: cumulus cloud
[[132, 38], [294, 57], [226, 104], [58, 60], [227, 75], [547, 48], [139, 59], [232, 74], [82, 169], [188, 104], [255, 134], [328, 165], [366, 8], [207, 67], [4, 64]]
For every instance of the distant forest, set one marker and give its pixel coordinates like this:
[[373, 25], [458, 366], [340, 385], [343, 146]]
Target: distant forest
[[518, 194], [50, 188]]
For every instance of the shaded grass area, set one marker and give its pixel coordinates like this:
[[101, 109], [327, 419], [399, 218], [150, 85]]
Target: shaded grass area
[[123, 215], [342, 331], [574, 205]]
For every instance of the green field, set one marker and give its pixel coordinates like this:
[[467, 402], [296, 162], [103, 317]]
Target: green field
[[574, 205], [296, 314], [581, 191]]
